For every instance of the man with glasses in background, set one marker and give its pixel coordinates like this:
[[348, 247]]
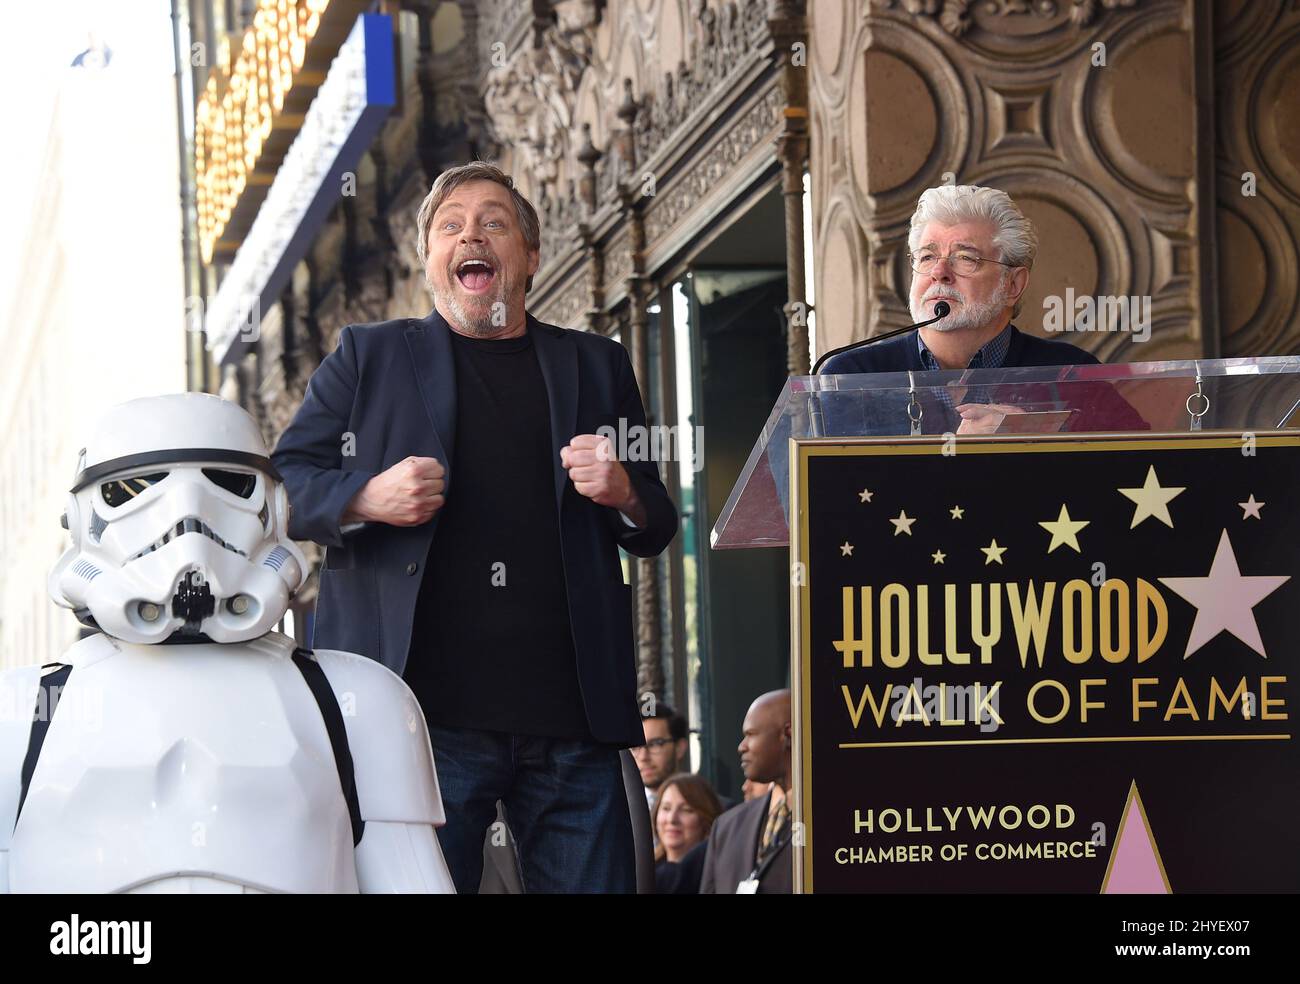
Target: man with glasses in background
[[665, 752]]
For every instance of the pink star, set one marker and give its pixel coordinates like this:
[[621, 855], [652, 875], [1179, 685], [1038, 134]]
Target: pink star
[[1251, 508], [1225, 599]]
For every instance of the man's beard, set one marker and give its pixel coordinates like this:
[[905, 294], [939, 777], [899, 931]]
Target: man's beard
[[967, 316], [484, 316]]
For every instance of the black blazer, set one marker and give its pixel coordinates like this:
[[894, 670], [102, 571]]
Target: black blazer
[[389, 391], [733, 844], [902, 353], [681, 877]]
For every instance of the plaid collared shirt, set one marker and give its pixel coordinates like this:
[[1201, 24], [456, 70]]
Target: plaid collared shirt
[[990, 356]]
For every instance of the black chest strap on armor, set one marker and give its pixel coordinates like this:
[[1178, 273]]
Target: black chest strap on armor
[[53, 683], [47, 699], [333, 715]]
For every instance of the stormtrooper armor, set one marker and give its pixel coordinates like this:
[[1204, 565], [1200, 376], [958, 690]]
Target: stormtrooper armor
[[186, 746]]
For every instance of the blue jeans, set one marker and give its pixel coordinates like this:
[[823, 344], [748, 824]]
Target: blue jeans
[[565, 803]]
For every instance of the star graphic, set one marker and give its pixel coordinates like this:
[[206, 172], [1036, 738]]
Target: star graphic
[[846, 549], [865, 495], [1151, 499], [1064, 530], [1225, 599], [1251, 508], [903, 524], [938, 556], [956, 512], [993, 552]]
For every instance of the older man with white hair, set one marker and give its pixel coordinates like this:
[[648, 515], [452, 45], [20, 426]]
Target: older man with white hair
[[973, 248]]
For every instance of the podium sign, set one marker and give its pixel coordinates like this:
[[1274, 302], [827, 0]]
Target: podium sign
[[1046, 664]]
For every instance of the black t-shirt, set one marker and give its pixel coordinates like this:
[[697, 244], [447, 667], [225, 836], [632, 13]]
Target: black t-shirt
[[492, 647]]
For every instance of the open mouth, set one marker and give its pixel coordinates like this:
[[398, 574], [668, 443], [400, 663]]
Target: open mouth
[[188, 526], [475, 275]]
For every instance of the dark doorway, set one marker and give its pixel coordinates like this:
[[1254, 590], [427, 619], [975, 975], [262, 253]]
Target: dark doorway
[[734, 328]]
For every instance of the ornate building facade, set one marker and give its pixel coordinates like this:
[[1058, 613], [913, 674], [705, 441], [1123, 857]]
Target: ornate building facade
[[669, 146], [1152, 142], [664, 145]]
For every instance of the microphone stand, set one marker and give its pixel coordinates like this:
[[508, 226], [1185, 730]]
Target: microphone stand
[[941, 310]]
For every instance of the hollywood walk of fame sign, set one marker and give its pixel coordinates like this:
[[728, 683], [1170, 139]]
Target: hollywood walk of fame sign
[[1046, 664]]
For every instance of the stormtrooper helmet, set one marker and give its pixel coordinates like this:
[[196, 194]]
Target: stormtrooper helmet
[[179, 526]]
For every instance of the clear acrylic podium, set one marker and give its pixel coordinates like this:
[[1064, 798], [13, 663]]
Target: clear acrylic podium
[[1011, 446], [1256, 395]]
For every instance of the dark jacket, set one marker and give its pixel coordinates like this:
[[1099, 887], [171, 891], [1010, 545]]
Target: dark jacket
[[733, 845], [901, 353], [388, 392], [681, 877], [1096, 405]]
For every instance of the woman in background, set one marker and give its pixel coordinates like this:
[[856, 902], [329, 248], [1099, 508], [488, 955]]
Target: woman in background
[[684, 814]]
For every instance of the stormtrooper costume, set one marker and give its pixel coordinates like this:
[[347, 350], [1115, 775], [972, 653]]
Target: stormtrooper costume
[[187, 746]]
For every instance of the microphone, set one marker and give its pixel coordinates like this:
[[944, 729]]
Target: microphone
[[941, 310]]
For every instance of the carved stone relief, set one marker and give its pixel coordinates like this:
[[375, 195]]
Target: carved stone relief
[[636, 75], [1082, 111], [1257, 165]]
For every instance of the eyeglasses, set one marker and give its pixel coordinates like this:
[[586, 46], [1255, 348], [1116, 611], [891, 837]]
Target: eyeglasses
[[964, 263], [653, 745]]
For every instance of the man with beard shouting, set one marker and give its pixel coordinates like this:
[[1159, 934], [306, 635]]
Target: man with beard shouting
[[451, 466]]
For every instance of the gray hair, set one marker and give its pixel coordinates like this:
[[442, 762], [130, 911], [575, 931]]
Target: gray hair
[[1013, 234], [451, 179]]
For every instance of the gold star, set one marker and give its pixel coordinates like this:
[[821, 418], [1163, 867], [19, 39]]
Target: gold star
[[993, 552], [903, 524], [865, 495], [1251, 508], [938, 556], [1151, 499], [846, 549], [1064, 530], [956, 512]]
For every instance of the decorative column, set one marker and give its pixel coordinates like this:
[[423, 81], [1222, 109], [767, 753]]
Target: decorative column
[[649, 655], [427, 150], [649, 649], [588, 156], [789, 30]]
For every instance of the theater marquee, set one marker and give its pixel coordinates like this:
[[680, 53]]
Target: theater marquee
[[252, 106], [1049, 664]]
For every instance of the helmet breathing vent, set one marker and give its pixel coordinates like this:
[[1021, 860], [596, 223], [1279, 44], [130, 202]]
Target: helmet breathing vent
[[84, 568], [276, 558], [193, 599]]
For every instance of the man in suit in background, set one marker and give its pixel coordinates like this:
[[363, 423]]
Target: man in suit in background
[[451, 466], [749, 845]]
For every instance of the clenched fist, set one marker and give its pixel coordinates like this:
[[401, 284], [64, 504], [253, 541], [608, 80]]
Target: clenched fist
[[597, 474], [407, 494]]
